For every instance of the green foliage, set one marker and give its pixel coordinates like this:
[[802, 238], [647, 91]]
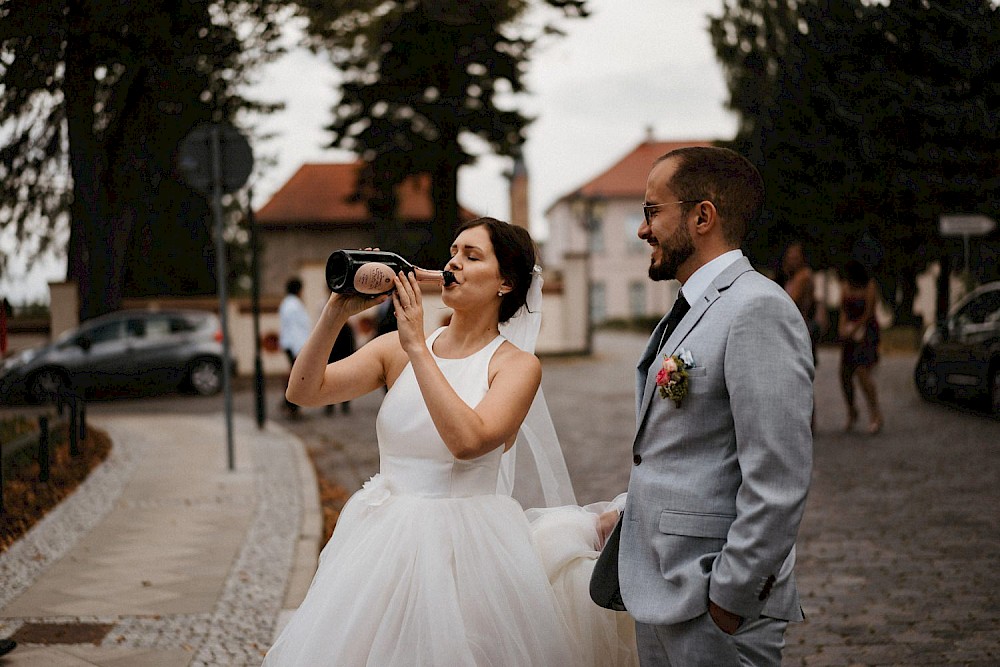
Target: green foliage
[[419, 78], [95, 99], [868, 121], [33, 309]]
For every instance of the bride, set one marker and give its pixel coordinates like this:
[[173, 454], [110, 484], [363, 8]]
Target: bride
[[434, 562]]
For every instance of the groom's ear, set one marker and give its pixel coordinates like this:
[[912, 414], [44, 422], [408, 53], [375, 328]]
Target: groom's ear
[[707, 217]]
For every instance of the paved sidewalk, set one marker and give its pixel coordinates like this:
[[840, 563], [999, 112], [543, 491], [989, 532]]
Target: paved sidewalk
[[165, 556]]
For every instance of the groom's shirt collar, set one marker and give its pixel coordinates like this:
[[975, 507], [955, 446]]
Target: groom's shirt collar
[[703, 277]]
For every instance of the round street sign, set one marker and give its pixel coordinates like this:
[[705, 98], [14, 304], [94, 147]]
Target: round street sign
[[194, 158]]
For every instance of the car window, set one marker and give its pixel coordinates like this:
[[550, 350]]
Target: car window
[[158, 327], [181, 325], [108, 331], [992, 310], [136, 328], [982, 309]]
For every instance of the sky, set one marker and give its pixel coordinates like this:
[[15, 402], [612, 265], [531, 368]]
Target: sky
[[633, 66]]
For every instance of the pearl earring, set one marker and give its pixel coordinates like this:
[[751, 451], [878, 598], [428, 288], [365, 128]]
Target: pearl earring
[[500, 293]]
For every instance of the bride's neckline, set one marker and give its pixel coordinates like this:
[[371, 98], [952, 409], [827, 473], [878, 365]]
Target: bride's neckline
[[437, 335]]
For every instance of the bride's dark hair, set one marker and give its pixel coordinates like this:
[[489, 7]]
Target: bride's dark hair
[[515, 251]]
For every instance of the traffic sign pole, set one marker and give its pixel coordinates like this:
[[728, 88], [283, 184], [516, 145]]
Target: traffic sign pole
[[201, 162], [220, 266]]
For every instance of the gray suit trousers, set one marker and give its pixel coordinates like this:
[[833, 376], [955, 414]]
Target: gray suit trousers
[[700, 643]]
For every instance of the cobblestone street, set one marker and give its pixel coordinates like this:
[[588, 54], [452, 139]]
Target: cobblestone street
[[898, 549]]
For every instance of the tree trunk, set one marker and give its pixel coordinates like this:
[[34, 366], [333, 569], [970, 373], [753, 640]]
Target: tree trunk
[[444, 192], [85, 257]]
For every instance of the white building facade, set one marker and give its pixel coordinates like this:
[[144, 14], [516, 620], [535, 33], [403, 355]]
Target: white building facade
[[598, 222]]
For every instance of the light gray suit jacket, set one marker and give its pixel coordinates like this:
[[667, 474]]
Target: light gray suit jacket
[[719, 484]]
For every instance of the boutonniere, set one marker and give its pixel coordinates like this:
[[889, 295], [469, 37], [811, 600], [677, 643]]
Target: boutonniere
[[672, 380]]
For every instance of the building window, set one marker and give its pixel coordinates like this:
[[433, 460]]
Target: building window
[[595, 228], [633, 244], [637, 299], [598, 303]]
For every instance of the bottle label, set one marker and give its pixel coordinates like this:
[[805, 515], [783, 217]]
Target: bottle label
[[373, 278]]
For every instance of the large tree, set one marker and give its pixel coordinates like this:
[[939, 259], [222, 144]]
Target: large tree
[[420, 78], [95, 97], [868, 121]]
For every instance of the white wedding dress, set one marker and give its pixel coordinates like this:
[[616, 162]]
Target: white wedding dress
[[429, 566]]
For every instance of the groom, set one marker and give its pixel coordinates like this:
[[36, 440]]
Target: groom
[[721, 465]]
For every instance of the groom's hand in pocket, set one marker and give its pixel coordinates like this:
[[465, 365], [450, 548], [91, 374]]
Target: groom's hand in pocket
[[727, 621]]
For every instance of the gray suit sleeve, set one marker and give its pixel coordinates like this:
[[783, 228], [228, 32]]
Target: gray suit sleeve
[[769, 378]]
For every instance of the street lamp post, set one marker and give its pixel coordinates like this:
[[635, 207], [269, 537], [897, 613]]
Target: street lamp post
[[258, 365], [589, 209]]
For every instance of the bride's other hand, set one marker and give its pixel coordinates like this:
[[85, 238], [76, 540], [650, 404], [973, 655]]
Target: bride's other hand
[[408, 303], [606, 522]]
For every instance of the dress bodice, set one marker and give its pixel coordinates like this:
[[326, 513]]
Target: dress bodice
[[854, 308], [412, 456]]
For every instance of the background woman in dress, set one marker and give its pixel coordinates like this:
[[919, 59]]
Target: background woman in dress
[[858, 332]]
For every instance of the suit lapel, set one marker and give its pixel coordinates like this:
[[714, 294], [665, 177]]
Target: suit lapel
[[670, 346], [646, 381], [642, 368]]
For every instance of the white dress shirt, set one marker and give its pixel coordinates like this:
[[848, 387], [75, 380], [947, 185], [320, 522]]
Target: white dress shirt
[[703, 277]]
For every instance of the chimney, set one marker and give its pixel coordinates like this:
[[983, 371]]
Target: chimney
[[518, 178]]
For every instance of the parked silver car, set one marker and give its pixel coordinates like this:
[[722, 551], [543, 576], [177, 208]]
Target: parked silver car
[[139, 350], [960, 357]]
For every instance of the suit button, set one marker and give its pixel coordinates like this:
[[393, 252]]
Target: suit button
[[637, 459]]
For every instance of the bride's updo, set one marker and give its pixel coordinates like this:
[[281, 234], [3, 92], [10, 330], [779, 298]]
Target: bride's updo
[[515, 251]]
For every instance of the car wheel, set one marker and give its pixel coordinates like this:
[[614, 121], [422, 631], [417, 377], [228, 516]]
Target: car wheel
[[926, 380], [46, 384], [205, 376]]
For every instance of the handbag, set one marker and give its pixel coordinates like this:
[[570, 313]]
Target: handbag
[[605, 590]]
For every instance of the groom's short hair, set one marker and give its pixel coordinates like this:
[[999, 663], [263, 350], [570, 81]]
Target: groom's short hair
[[724, 177]]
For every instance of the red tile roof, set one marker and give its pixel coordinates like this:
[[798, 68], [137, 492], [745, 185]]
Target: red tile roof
[[627, 177], [321, 193]]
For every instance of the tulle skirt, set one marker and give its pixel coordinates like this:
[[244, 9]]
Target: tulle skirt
[[416, 581]]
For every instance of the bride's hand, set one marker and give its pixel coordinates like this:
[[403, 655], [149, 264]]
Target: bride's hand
[[605, 525], [348, 305], [408, 303]]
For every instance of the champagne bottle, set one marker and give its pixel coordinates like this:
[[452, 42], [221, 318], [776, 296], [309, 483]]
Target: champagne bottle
[[371, 272]]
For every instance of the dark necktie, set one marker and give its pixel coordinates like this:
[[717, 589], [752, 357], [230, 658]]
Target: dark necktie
[[677, 312], [675, 315]]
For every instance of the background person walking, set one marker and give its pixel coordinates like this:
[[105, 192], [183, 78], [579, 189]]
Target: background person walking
[[858, 332], [295, 328]]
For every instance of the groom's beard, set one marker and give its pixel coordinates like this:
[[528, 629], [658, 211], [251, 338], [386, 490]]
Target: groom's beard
[[674, 251]]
